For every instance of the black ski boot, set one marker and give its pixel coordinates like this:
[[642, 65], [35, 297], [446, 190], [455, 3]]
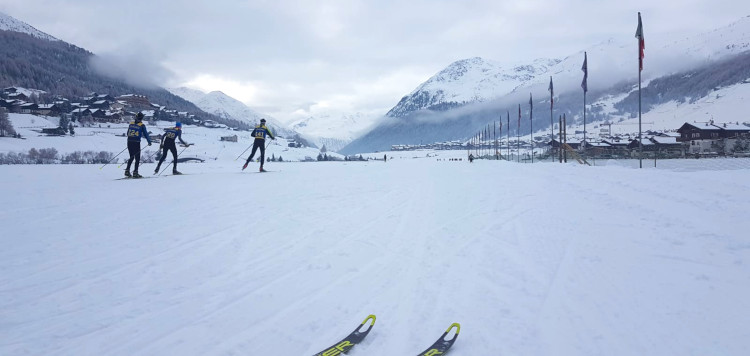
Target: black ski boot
[[136, 175], [127, 173]]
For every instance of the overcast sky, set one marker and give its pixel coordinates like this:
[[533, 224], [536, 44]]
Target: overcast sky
[[290, 58]]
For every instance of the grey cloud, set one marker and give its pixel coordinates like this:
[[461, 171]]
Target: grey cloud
[[324, 48]]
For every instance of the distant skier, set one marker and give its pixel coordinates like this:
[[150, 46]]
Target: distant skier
[[259, 133], [385, 158], [136, 130], [168, 144], [471, 158]]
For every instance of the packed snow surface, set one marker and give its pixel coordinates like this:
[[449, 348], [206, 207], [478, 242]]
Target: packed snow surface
[[542, 259]]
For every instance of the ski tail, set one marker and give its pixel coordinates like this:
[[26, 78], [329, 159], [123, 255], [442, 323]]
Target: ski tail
[[442, 345], [348, 342]]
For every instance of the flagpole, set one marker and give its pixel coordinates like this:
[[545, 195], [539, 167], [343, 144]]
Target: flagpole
[[585, 86], [494, 135], [508, 130], [559, 132], [565, 138], [584, 123], [531, 125], [551, 106], [518, 134], [640, 140], [641, 47]]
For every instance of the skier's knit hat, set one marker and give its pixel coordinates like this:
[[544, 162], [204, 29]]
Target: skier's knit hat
[[179, 124]]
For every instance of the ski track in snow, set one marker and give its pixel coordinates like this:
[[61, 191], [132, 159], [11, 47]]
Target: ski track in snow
[[531, 259]]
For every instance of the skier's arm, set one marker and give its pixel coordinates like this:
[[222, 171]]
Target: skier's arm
[[270, 134], [179, 135], [145, 134]]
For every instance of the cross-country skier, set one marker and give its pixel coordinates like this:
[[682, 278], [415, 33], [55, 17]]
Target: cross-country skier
[[168, 144], [259, 133], [136, 130]]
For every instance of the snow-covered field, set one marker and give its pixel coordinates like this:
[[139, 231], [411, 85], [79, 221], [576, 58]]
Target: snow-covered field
[[108, 137], [539, 259]]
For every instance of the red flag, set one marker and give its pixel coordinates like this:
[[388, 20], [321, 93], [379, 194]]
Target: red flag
[[641, 42]]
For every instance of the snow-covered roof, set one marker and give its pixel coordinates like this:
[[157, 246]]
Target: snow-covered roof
[[100, 102], [645, 141], [664, 140], [732, 126]]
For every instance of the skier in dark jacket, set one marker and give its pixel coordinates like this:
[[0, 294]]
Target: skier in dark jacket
[[168, 144], [136, 130], [259, 133]]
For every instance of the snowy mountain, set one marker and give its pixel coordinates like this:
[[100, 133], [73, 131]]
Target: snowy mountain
[[478, 80], [226, 107], [470, 80], [8, 23], [471, 93], [332, 129]]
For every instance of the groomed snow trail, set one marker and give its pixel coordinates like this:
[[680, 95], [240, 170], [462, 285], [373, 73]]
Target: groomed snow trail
[[530, 259]]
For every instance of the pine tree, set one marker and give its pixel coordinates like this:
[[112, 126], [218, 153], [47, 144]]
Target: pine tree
[[64, 122], [6, 127]]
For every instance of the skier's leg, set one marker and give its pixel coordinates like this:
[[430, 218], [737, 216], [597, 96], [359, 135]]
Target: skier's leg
[[173, 148], [252, 153], [163, 157], [132, 151], [137, 156], [262, 154]]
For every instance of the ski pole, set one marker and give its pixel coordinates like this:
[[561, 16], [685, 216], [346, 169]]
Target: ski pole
[[139, 152], [113, 158], [243, 152], [178, 155]]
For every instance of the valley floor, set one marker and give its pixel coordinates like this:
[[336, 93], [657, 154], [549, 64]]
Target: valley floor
[[531, 259]]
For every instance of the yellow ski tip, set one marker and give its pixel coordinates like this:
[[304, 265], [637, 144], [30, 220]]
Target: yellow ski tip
[[454, 325], [369, 317]]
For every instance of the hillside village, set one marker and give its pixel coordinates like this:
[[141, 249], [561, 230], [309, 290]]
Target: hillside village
[[95, 108], [706, 139]]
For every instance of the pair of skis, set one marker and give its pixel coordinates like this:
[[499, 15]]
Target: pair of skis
[[440, 347]]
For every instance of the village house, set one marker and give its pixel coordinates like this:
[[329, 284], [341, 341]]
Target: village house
[[28, 108], [134, 101], [48, 110], [712, 138]]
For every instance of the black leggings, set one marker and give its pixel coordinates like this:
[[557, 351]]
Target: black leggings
[[134, 148], [258, 144], [168, 147]]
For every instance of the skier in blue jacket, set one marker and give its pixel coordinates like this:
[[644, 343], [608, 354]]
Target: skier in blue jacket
[[259, 133], [136, 130], [168, 144]]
